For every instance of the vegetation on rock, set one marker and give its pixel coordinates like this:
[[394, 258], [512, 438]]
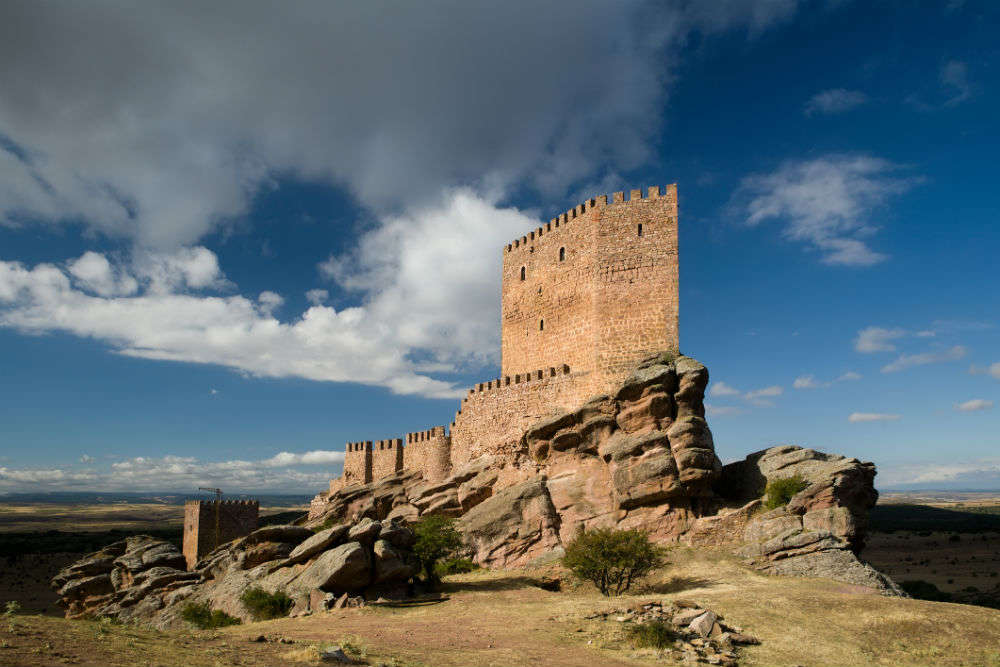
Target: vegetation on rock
[[780, 491], [612, 559], [202, 616], [458, 565], [437, 539], [264, 606]]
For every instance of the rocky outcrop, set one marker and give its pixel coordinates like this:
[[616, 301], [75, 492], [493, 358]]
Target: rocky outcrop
[[143, 578], [643, 458]]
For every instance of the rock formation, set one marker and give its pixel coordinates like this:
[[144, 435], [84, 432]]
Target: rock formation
[[643, 458], [143, 578]]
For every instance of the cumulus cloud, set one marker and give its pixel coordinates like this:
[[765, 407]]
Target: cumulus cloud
[[827, 203], [810, 382], [86, 458], [321, 344], [836, 100], [720, 388], [877, 339], [773, 390], [906, 361], [849, 376], [160, 124], [94, 273], [862, 417], [974, 405], [984, 473], [317, 297], [993, 370]]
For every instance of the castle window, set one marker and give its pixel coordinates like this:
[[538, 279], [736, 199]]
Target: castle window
[[562, 254], [541, 325], [640, 229], [522, 273]]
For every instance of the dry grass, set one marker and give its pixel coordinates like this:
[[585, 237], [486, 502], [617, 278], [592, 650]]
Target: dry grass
[[501, 618]]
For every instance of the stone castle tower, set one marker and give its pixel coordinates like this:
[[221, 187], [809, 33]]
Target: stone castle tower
[[585, 297], [209, 523]]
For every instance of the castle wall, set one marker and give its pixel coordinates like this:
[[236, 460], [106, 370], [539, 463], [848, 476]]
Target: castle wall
[[494, 415], [387, 458], [430, 452], [596, 294], [358, 463], [209, 523]]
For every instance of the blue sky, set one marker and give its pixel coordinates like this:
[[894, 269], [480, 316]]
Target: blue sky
[[232, 241]]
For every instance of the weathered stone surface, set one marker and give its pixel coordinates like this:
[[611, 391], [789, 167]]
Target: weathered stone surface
[[365, 531], [391, 564], [318, 543], [288, 533], [344, 568], [512, 523], [704, 623]]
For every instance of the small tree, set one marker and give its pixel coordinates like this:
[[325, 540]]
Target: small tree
[[201, 615], [437, 538], [780, 491], [612, 559]]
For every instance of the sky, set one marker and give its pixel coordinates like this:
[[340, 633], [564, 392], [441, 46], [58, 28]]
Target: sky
[[235, 236]]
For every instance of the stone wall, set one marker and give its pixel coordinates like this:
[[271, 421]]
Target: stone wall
[[358, 462], [387, 458], [494, 415], [209, 523], [430, 452], [595, 288]]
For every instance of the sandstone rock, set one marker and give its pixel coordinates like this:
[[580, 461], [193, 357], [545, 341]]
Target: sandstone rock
[[704, 623], [319, 542], [99, 584], [286, 533], [397, 534], [263, 552], [345, 568], [391, 565], [365, 531], [685, 616], [511, 523]]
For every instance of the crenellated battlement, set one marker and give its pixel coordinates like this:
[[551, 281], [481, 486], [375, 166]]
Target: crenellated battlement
[[594, 289], [227, 503], [580, 210]]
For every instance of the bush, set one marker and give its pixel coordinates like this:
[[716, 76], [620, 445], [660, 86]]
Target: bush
[[780, 491], [924, 590], [651, 634], [612, 559], [264, 606], [202, 616], [455, 566], [437, 539]]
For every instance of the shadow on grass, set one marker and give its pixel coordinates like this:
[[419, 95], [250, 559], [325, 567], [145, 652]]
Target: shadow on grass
[[675, 585], [492, 585]]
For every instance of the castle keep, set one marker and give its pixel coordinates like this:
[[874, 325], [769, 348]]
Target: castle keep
[[209, 523], [585, 297]]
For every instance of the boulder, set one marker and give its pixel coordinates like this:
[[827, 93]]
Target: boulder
[[392, 564], [318, 543], [345, 568], [518, 520], [365, 531], [285, 533]]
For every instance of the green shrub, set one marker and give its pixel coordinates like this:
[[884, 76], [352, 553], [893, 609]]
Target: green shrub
[[924, 590], [202, 616], [455, 566], [264, 606], [612, 559], [651, 634], [437, 539], [780, 491]]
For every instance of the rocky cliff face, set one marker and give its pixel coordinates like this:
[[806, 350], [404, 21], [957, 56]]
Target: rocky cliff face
[[142, 578], [640, 458]]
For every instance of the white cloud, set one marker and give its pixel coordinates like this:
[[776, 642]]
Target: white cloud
[[954, 76], [810, 382], [213, 392], [317, 297], [285, 471], [836, 100], [827, 203], [94, 273], [161, 125], [324, 344], [269, 301], [877, 339], [722, 410], [86, 458], [910, 360], [720, 388], [807, 382], [993, 370], [974, 405], [983, 473], [861, 417], [774, 390]]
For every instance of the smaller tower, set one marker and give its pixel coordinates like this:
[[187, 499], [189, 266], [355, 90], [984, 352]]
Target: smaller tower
[[211, 523]]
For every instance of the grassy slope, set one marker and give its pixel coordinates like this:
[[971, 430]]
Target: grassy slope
[[500, 618]]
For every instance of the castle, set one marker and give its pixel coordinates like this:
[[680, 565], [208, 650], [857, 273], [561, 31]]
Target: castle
[[209, 523], [584, 298]]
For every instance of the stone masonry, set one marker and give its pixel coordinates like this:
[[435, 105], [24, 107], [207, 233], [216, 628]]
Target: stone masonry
[[209, 523], [584, 298]]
